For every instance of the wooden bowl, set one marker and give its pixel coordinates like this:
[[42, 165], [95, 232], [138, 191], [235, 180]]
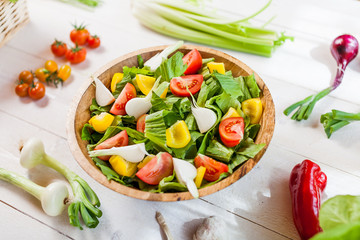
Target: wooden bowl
[[79, 114]]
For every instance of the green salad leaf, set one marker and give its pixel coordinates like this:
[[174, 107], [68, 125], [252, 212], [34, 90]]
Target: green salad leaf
[[229, 85], [155, 129], [95, 109], [252, 86], [340, 218], [219, 152], [172, 67]]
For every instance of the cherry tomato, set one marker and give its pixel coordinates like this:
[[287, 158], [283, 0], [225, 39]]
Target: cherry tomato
[[76, 55], [193, 82], [36, 90], [213, 168], [231, 131], [22, 89], [159, 167], [129, 92], [42, 74], [93, 41], [79, 35], [193, 60], [58, 48], [64, 72], [51, 66], [119, 140], [140, 124], [26, 77]]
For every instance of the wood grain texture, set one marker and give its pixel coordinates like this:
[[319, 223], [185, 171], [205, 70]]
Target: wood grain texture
[[79, 114]]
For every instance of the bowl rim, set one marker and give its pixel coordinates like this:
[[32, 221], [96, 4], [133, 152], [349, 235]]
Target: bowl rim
[[91, 169]]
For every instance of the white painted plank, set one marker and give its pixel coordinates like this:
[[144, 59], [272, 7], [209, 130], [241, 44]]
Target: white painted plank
[[23, 226]]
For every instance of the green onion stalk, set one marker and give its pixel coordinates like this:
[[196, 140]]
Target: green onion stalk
[[185, 21], [334, 120], [85, 199]]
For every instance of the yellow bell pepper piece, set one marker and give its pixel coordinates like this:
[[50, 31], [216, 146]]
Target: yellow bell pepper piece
[[253, 108], [218, 66], [178, 135], [231, 113], [117, 77], [199, 176], [101, 122], [163, 95], [122, 167], [145, 83], [145, 161]]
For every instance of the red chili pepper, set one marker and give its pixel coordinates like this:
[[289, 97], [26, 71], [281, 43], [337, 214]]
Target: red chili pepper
[[307, 182]]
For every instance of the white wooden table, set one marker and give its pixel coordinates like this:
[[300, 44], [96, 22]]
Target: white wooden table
[[258, 206]]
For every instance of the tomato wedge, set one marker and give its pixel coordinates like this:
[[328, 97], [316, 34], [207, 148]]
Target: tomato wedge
[[128, 92], [193, 82], [213, 168], [231, 131], [193, 60], [119, 140], [159, 167], [140, 124]]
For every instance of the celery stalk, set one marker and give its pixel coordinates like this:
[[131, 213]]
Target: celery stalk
[[181, 20]]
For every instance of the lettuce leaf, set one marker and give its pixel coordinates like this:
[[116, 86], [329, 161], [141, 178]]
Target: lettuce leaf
[[340, 218], [249, 148], [219, 152], [155, 130], [208, 90], [244, 89], [95, 109], [252, 86], [172, 67], [229, 85]]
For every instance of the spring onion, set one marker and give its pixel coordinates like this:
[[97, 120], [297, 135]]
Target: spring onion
[[344, 49], [139, 106], [85, 200], [154, 62], [334, 120], [103, 95], [53, 198], [185, 173], [131, 153], [182, 20]]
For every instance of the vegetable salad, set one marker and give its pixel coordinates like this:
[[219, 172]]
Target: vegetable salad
[[185, 125]]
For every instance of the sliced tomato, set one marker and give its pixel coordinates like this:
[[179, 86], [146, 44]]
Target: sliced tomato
[[231, 131], [119, 140], [193, 60], [159, 167], [140, 124], [128, 92], [213, 168], [193, 82]]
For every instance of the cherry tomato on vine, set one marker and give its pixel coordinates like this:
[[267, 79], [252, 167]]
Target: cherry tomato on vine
[[64, 72], [42, 74], [79, 35], [26, 77], [93, 41], [22, 89], [36, 90], [51, 66], [58, 48], [76, 55]]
